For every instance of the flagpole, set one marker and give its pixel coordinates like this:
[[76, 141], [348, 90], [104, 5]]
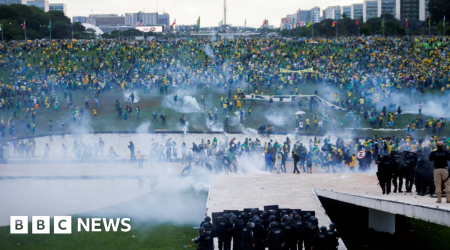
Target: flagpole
[[444, 27], [336, 30], [2, 30], [24, 23], [383, 26], [50, 27]]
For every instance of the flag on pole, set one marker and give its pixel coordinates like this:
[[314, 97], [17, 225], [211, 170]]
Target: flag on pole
[[71, 26], [174, 22], [429, 20], [444, 19], [23, 25], [139, 23], [118, 25], [309, 24], [265, 23], [245, 23], [0, 26], [406, 23], [357, 22], [50, 25], [382, 23], [198, 21], [334, 23], [221, 22]]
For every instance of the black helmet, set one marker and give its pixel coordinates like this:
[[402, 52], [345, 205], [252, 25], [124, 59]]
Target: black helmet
[[201, 229], [244, 215], [207, 218], [272, 217], [225, 216], [297, 217], [290, 219], [273, 225], [332, 226], [285, 217], [256, 218], [250, 224], [233, 218], [231, 214], [313, 220], [264, 213], [323, 229], [253, 211], [283, 211], [308, 215], [294, 212]]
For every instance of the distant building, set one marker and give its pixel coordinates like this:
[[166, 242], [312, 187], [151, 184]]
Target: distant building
[[304, 16], [414, 10], [357, 11], [164, 20], [315, 15], [347, 10], [105, 19], [81, 19], [8, 2], [388, 7], [58, 7], [370, 10], [332, 12], [43, 5]]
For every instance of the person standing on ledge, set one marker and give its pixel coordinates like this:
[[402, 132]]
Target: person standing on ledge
[[441, 174]]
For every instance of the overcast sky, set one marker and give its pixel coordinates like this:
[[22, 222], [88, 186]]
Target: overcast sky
[[210, 11]]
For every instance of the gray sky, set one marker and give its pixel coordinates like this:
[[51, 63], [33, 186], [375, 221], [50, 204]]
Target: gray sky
[[210, 11]]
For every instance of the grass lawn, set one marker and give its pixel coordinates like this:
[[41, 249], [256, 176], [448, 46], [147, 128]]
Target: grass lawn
[[148, 235]]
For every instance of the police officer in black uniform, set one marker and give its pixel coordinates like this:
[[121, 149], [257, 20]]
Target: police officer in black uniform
[[275, 237], [301, 227], [397, 176], [332, 237], [320, 239], [311, 230], [222, 233], [290, 234], [248, 239], [204, 240], [424, 173], [236, 232], [385, 170], [259, 233], [410, 159]]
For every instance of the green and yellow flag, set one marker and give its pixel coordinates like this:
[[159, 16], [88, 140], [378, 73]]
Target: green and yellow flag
[[198, 21], [296, 71], [309, 24]]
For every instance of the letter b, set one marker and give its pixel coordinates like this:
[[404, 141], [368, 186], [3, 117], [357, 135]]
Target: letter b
[[40, 224], [18, 224]]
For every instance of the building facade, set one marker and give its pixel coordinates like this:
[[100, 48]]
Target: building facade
[[370, 10], [81, 19], [304, 16], [58, 7], [43, 5], [8, 2], [332, 12], [315, 15], [164, 20], [347, 11], [387, 7], [357, 11]]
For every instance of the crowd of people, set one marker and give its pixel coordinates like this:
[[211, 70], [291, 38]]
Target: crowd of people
[[365, 70], [277, 230]]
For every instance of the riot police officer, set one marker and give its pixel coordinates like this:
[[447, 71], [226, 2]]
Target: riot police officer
[[301, 227], [248, 239], [275, 237], [332, 237], [290, 234], [410, 160], [320, 239], [384, 173], [236, 232], [259, 233], [223, 236], [204, 240], [311, 231]]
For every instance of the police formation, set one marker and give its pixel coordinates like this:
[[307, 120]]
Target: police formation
[[267, 229], [427, 169]]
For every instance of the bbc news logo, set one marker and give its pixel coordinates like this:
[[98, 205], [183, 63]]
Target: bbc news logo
[[63, 224]]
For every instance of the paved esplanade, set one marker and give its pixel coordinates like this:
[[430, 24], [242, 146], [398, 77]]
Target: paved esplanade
[[236, 192]]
